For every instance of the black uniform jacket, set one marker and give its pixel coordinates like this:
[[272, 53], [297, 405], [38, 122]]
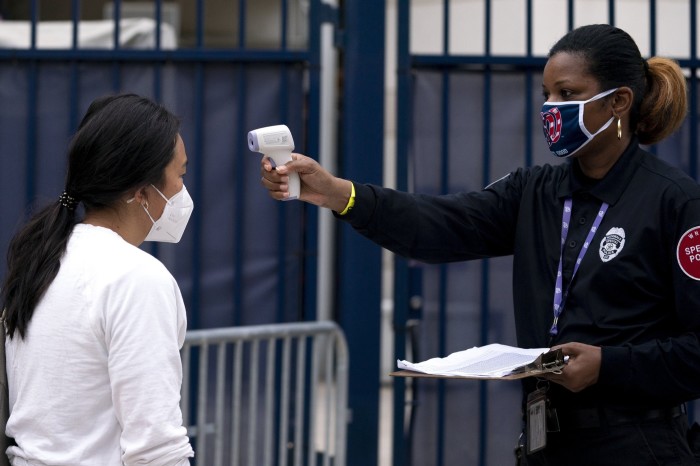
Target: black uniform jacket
[[630, 294]]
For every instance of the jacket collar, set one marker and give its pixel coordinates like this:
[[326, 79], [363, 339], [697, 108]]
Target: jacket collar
[[610, 188]]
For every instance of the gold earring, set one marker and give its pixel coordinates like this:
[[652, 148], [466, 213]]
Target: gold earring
[[619, 128]]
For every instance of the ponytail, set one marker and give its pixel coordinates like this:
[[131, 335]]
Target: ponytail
[[665, 103], [33, 260]]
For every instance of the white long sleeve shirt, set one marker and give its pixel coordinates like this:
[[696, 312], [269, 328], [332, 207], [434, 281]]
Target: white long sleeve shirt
[[96, 380]]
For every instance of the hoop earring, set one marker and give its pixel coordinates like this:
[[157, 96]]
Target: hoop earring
[[619, 128]]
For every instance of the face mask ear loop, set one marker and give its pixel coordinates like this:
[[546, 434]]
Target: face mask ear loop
[[145, 208], [161, 194]]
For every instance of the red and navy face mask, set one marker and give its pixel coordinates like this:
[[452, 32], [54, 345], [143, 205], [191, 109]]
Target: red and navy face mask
[[563, 125]]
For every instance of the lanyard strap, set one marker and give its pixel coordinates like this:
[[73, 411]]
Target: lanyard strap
[[560, 294]]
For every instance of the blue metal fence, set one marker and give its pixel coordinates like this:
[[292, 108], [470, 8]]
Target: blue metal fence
[[457, 422], [244, 259], [220, 94]]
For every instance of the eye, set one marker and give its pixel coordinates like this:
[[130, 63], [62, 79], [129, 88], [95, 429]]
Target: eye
[[566, 93]]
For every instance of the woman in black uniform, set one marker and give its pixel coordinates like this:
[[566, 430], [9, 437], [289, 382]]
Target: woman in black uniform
[[606, 254]]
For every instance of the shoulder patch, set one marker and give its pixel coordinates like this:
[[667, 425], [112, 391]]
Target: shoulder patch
[[611, 244], [688, 253]]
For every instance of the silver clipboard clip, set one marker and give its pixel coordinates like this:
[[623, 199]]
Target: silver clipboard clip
[[551, 361]]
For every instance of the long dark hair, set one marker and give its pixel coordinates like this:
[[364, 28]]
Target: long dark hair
[[123, 142], [613, 58]]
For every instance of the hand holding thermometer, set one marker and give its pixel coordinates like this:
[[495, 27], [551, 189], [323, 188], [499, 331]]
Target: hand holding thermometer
[[277, 143]]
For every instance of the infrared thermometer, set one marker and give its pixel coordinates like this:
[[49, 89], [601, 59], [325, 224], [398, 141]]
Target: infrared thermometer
[[277, 143]]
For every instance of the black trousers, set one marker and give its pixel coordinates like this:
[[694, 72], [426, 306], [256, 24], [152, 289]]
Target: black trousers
[[649, 443]]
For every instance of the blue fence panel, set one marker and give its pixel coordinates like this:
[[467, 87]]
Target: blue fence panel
[[242, 258], [453, 134]]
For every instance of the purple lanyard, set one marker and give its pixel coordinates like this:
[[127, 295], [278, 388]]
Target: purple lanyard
[[560, 294]]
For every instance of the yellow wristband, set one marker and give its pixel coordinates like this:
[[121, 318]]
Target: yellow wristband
[[351, 201]]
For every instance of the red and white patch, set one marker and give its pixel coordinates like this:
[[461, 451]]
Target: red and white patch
[[551, 121], [688, 253]]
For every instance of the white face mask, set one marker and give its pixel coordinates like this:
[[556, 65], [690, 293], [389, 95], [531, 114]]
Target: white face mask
[[171, 224]]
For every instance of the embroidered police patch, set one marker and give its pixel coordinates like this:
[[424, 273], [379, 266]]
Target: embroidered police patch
[[688, 253], [612, 244]]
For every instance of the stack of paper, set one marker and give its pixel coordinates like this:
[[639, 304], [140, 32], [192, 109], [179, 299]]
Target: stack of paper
[[490, 361]]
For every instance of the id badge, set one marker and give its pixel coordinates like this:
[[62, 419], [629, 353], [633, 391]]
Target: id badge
[[536, 421]]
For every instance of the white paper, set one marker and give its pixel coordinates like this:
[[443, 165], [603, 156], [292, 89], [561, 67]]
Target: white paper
[[494, 360]]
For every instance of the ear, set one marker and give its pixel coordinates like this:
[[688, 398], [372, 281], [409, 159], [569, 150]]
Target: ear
[[622, 101], [138, 197]]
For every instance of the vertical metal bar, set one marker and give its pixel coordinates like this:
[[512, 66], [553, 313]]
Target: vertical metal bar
[[652, 26], [299, 407], [654, 149], [32, 111], [116, 66], [199, 27], [117, 16], [284, 418], [570, 15], [363, 120], [197, 164], [34, 17], [486, 178], [269, 401], [202, 388], [32, 89], [74, 71], [75, 14], [253, 400], [328, 383], [316, 255], [611, 12], [240, 197], [159, 20], [283, 26], [236, 403], [318, 348], [281, 211], [337, 341], [446, 27], [186, 356], [693, 103], [219, 404], [157, 66], [401, 450], [528, 87], [242, 7], [443, 269]]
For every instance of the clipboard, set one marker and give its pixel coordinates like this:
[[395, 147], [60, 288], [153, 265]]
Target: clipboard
[[549, 362]]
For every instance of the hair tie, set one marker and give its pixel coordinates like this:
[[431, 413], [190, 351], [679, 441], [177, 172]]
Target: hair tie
[[68, 201]]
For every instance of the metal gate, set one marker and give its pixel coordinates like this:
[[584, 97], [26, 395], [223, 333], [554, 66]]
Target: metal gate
[[244, 259], [221, 84], [278, 394], [448, 100]]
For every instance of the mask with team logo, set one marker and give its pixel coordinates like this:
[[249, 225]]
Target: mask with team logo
[[563, 125]]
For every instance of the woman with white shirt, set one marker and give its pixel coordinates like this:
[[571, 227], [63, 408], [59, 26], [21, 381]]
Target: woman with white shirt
[[94, 323]]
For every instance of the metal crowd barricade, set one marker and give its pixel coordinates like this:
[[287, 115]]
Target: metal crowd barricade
[[266, 394]]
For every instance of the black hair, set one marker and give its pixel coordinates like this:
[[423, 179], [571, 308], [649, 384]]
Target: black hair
[[613, 58], [123, 142]]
